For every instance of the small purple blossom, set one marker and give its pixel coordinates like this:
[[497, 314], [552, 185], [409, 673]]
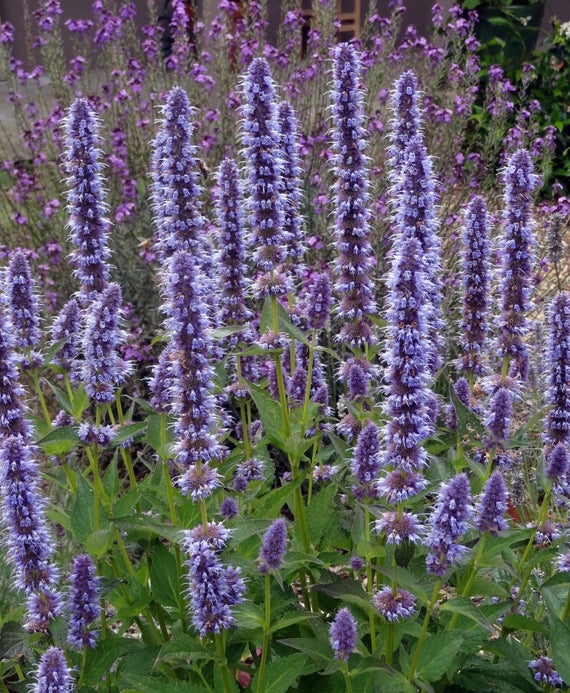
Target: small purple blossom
[[273, 547], [558, 462], [91, 434], [318, 302], [343, 634], [406, 121], [399, 527], [53, 675], [228, 508], [394, 605], [84, 602], [22, 301], [557, 424], [366, 458], [493, 505], [12, 419], [500, 413], [43, 607], [67, 327], [544, 672]]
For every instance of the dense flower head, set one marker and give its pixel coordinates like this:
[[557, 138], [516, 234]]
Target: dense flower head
[[212, 587], [394, 605], [415, 217], [22, 301], [66, 326], [175, 179], [229, 508], [356, 382], [53, 675], [557, 424], [91, 434], [103, 368], [12, 419], [564, 563], [84, 602], [558, 462], [199, 481], [406, 122], [493, 505], [355, 260], [318, 301], [30, 547], [400, 484], [231, 242], [42, 608], [476, 286], [407, 359], [448, 522], [366, 457], [264, 165], [343, 634], [192, 373], [517, 255], [272, 551], [399, 527], [86, 206], [291, 182], [544, 672], [500, 413], [160, 384]]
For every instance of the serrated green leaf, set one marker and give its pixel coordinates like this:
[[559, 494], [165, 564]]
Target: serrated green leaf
[[437, 653], [312, 648], [249, 615], [290, 620], [465, 607], [183, 650], [520, 622], [283, 322], [281, 674], [164, 577], [322, 515], [83, 514], [129, 431], [59, 441], [560, 642], [99, 542], [101, 658]]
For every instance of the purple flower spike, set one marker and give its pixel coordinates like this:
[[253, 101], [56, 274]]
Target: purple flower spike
[[557, 425], [394, 606], [448, 523], [160, 384], [234, 310], [273, 547], [264, 165], [544, 672], [476, 283], [291, 181], [400, 484], [29, 545], [192, 374], [53, 674], [558, 462], [42, 608], [399, 528], [356, 382], [229, 508], [517, 248], [103, 369], [343, 634], [213, 589], [12, 419], [493, 505], [500, 414], [355, 256], [406, 358], [176, 175], [87, 210], [366, 458], [406, 122], [84, 603], [67, 326], [416, 218], [318, 302], [22, 301]]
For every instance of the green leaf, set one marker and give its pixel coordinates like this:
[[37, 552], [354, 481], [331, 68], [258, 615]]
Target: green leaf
[[269, 412], [249, 615], [290, 620], [183, 650], [560, 641], [350, 591], [465, 607], [465, 417], [280, 675], [99, 542], [283, 322], [318, 651], [111, 479], [519, 622], [127, 432], [83, 515], [60, 441], [163, 576], [101, 658], [322, 515], [145, 684], [437, 653], [270, 505]]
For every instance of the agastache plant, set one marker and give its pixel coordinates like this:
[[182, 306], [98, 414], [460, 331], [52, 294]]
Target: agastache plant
[[84, 603], [12, 419], [355, 262], [22, 302], [67, 326], [517, 250], [86, 200], [53, 675], [406, 120], [476, 285], [264, 178]]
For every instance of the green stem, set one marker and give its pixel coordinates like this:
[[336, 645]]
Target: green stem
[[279, 374], [309, 378], [221, 648], [420, 644], [266, 634], [347, 680], [566, 611], [542, 514], [370, 582], [474, 567], [41, 397], [125, 454]]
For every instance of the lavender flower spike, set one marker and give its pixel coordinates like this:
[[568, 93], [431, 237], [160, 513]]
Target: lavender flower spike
[[355, 256], [86, 207], [22, 301], [192, 377], [557, 424], [264, 168], [343, 634], [448, 523], [517, 247], [12, 419], [291, 177], [175, 173], [499, 418], [366, 460], [476, 284], [30, 547], [406, 122], [103, 369], [318, 302], [406, 358], [53, 675], [493, 505], [67, 326], [273, 546], [84, 598]]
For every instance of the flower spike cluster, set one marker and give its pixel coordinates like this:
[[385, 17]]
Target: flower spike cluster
[[557, 425], [22, 301], [343, 634], [67, 326], [493, 505], [273, 546], [86, 206], [406, 122], [517, 249], [12, 419], [476, 284], [53, 675], [264, 172], [84, 598], [355, 260]]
